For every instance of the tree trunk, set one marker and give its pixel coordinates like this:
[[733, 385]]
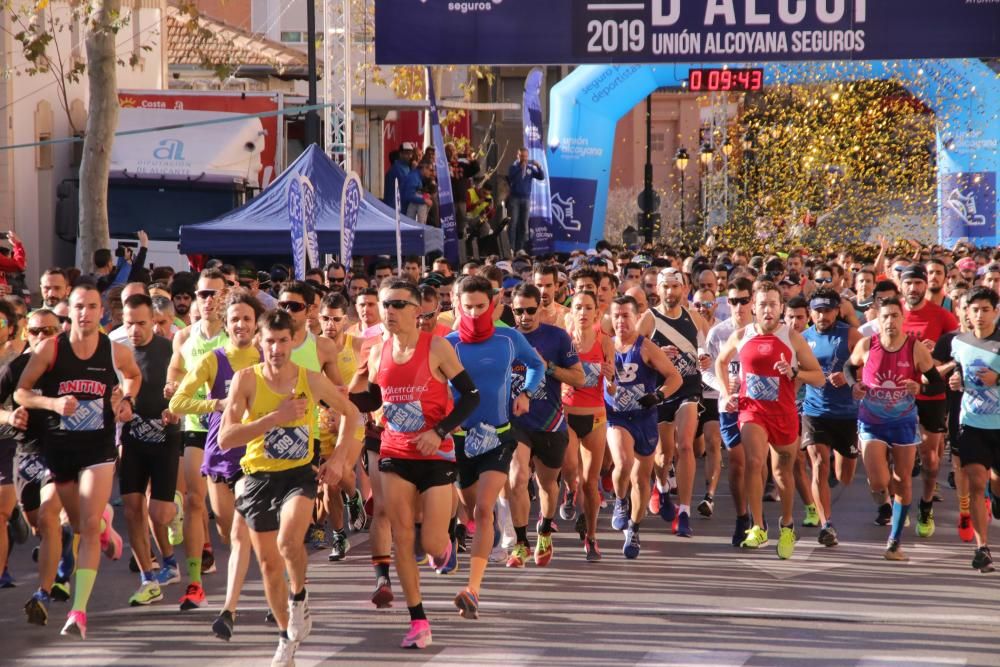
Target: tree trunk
[[102, 119]]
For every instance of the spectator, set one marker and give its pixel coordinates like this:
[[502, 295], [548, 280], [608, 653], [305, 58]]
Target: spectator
[[414, 196], [15, 263], [520, 175], [397, 173]]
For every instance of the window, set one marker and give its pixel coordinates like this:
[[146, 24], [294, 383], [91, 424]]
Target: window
[[512, 90], [293, 37], [44, 158]]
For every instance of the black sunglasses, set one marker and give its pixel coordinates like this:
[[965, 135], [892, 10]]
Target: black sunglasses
[[530, 310], [292, 306], [63, 319], [428, 316], [206, 293], [332, 318], [39, 331], [738, 301], [397, 304]]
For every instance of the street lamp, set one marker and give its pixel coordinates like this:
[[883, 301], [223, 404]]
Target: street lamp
[[727, 148], [748, 140], [706, 153], [681, 160]]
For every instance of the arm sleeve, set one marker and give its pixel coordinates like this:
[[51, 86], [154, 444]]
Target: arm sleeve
[[139, 261], [367, 401], [183, 401], [535, 366], [708, 375], [468, 401]]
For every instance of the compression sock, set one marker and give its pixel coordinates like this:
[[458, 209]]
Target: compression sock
[[522, 534], [899, 512], [546, 526], [963, 504], [477, 568], [83, 584], [194, 570], [381, 565], [300, 596], [417, 612]]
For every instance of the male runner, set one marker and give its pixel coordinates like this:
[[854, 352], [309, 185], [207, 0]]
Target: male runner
[[11, 429], [222, 467], [542, 435], [631, 403], [797, 319], [771, 357], [407, 374], [189, 346], [708, 439], [830, 413], [977, 354], [485, 444], [76, 375], [546, 278], [269, 410], [151, 445], [887, 416]]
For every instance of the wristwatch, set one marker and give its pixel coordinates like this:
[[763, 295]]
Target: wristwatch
[[130, 401], [441, 432], [795, 372]]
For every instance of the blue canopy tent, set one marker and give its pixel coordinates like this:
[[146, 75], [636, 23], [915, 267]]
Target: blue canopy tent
[[261, 226]]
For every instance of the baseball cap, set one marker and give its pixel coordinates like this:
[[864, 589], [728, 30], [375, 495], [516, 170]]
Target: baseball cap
[[504, 266], [511, 281], [824, 303], [247, 272], [669, 275], [913, 272], [406, 146], [182, 287], [966, 264]]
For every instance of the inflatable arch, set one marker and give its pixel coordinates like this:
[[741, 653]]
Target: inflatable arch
[[584, 109]]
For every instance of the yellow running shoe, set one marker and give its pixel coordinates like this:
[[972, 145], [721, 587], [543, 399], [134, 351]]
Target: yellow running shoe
[[786, 542], [755, 539]]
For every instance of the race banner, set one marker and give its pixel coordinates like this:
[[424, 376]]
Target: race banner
[[302, 220], [350, 209], [540, 207], [446, 199]]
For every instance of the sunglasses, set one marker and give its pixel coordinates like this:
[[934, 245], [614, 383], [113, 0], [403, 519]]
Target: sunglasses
[[63, 319], [704, 304], [42, 331], [292, 306], [338, 320], [428, 316], [822, 281], [335, 280], [397, 304], [231, 283], [738, 301], [246, 284], [530, 310], [206, 293]]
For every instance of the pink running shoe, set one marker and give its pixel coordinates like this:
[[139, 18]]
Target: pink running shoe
[[76, 625], [419, 635], [111, 542]]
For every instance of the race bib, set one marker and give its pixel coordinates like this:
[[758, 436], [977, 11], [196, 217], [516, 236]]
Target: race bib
[[287, 443], [89, 416], [481, 439], [627, 398], [404, 417], [32, 469], [591, 373], [151, 431], [762, 387]]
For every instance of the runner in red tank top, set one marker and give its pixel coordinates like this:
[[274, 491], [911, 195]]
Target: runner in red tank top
[[771, 358], [407, 374]]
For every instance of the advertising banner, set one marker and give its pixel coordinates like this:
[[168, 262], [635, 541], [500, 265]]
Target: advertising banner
[[539, 211], [302, 221], [350, 209], [446, 199], [968, 203]]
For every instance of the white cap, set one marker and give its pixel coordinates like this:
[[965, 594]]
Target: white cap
[[669, 275], [407, 146]]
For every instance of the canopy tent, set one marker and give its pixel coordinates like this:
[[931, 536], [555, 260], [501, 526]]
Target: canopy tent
[[262, 226]]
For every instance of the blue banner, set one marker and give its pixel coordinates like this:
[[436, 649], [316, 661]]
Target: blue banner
[[302, 221], [529, 32], [446, 200], [540, 211], [968, 205], [350, 209], [573, 211]]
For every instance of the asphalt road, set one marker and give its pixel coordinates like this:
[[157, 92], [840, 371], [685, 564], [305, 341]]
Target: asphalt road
[[691, 601]]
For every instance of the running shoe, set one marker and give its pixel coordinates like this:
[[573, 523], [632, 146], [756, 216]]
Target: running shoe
[[207, 559], [419, 635], [983, 560], [568, 508], [168, 574], [622, 512], [811, 519], [111, 542], [740, 533], [672, 480], [60, 591], [7, 579], [884, 517], [148, 593], [356, 514], [451, 564], [498, 554], [441, 561], [895, 552], [771, 494], [76, 625], [299, 619], [284, 655], [269, 618], [461, 536], [175, 529], [756, 537], [706, 507], [222, 626], [828, 535], [193, 597], [593, 552], [951, 479], [467, 603], [925, 522], [631, 547], [519, 555], [654, 502], [667, 508], [683, 525], [37, 608], [382, 596], [581, 526], [965, 530], [543, 550], [341, 545], [938, 498], [316, 538], [786, 542], [607, 484]]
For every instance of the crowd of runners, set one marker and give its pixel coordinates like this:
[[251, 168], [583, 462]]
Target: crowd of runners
[[430, 405]]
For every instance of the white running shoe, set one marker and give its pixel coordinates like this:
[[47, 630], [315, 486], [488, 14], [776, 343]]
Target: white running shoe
[[299, 619], [284, 656]]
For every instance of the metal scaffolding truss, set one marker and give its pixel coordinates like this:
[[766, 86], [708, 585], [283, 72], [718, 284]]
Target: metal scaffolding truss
[[337, 80]]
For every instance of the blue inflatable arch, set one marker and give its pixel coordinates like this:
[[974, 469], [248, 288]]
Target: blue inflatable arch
[[584, 109]]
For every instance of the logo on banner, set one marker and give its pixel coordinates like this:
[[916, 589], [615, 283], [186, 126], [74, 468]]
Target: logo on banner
[[970, 204], [572, 205], [169, 149], [302, 220], [562, 212], [467, 6], [350, 209]]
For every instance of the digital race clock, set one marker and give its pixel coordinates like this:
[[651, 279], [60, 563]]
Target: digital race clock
[[725, 80]]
